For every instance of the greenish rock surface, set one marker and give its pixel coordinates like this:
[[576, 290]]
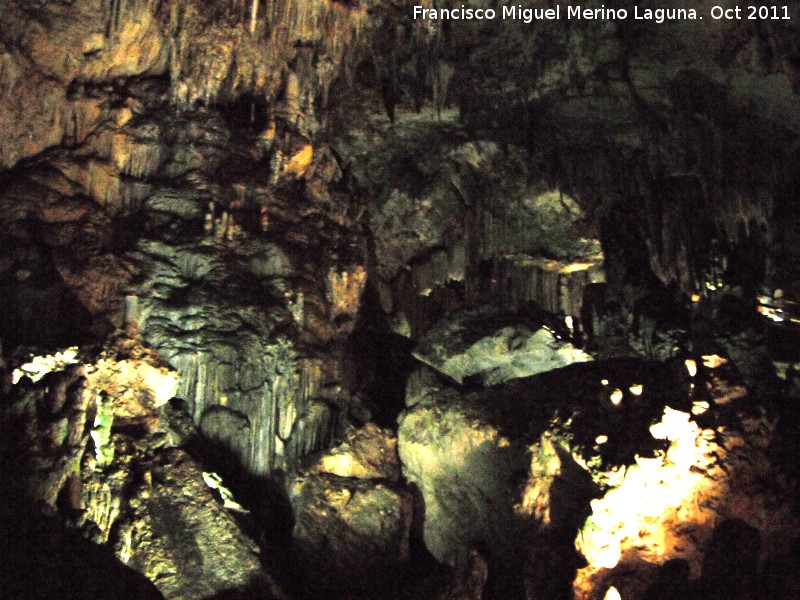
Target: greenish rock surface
[[493, 348]]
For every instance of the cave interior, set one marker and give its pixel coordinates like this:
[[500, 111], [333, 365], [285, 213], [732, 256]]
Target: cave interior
[[314, 299]]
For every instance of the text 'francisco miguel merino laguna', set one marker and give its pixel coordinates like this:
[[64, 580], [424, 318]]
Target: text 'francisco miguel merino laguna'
[[558, 12]]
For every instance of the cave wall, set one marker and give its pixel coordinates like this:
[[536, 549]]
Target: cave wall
[[679, 137], [154, 159], [282, 204], [227, 186]]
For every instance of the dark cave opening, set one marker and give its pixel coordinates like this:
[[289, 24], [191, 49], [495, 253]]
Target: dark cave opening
[[246, 112], [379, 360]]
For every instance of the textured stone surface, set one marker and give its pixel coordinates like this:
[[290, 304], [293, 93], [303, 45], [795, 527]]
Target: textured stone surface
[[367, 453], [352, 518], [493, 348], [112, 473], [516, 467], [257, 194]]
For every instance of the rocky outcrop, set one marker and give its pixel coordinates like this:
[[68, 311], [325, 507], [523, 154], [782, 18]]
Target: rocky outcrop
[[367, 453], [491, 348], [95, 457], [530, 473], [471, 455], [352, 518], [696, 501]]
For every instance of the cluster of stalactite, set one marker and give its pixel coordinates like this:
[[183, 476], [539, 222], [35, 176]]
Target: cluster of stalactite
[[267, 428], [214, 56], [667, 156], [678, 225]]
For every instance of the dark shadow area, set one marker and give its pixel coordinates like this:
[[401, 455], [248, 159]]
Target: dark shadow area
[[256, 590], [527, 407], [36, 306], [247, 111], [379, 361], [270, 519], [783, 343], [42, 559]]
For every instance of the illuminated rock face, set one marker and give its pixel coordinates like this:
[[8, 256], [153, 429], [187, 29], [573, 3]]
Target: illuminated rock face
[[352, 517], [626, 473], [142, 235], [499, 473], [493, 348], [109, 460], [666, 508]]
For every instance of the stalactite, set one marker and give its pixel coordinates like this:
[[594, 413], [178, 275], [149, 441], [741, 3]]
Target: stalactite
[[556, 287], [240, 63], [253, 16], [441, 74], [109, 17], [9, 73]]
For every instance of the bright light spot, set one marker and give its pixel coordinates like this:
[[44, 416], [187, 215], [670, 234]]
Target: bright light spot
[[636, 389], [609, 554], [695, 297], [299, 163], [712, 361], [575, 267], [601, 439], [163, 384], [604, 382], [214, 481], [632, 512], [612, 594], [772, 314], [345, 289], [699, 407], [616, 397], [691, 366], [568, 321], [39, 366]]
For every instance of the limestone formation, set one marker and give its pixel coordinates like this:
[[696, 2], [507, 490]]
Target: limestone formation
[[319, 299]]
